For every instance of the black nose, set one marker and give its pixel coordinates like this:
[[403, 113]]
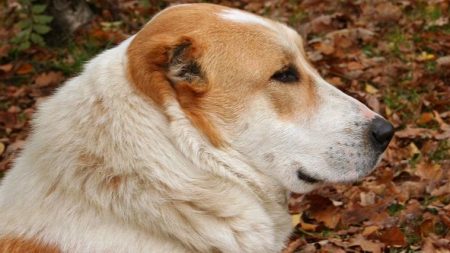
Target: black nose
[[381, 132]]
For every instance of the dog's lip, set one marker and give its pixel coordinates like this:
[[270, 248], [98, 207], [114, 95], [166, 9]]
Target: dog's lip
[[307, 178]]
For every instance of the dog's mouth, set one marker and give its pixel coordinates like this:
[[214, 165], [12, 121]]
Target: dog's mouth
[[307, 178]]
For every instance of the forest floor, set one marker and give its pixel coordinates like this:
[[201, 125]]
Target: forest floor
[[393, 56]]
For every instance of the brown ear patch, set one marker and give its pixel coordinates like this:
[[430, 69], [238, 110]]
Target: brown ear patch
[[22, 245], [183, 65], [191, 102], [147, 65], [163, 67]]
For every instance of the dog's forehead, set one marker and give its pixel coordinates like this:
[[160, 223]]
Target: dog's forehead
[[204, 18], [245, 18]]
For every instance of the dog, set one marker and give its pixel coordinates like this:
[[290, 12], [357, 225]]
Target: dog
[[186, 137]]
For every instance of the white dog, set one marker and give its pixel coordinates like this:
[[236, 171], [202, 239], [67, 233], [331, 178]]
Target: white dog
[[185, 138]]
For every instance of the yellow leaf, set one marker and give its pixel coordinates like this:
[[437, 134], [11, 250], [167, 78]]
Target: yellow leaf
[[369, 230], [413, 149], [295, 219], [2, 148], [370, 89], [424, 56], [388, 111]]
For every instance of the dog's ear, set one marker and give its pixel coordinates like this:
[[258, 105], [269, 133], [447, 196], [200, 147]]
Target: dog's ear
[[161, 65], [165, 69], [183, 63]]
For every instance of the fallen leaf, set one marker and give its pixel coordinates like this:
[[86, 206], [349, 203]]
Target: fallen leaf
[[427, 227], [336, 81], [414, 132], [49, 78], [24, 69], [413, 150], [429, 171], [365, 244], [393, 237], [367, 198], [293, 245], [369, 230], [6, 67], [323, 210], [354, 65], [424, 56], [2, 148], [386, 11], [308, 226], [295, 219], [443, 61], [370, 89], [425, 118], [373, 103]]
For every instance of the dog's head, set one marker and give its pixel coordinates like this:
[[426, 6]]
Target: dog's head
[[245, 83]]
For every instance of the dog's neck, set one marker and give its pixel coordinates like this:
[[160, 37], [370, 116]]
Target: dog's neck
[[227, 163]]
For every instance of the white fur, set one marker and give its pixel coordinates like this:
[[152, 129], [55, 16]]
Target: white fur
[[331, 144], [245, 17]]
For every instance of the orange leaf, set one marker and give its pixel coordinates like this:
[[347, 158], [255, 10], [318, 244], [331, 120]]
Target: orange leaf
[[354, 65], [24, 69], [49, 78], [425, 118], [393, 237]]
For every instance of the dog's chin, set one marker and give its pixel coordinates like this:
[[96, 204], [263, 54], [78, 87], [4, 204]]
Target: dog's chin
[[307, 183]]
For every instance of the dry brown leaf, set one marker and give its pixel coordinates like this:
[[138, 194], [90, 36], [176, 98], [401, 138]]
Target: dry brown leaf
[[6, 67], [354, 65], [24, 69], [427, 227], [293, 245], [429, 171], [336, 81], [373, 103], [49, 78], [323, 210], [366, 245], [386, 11], [393, 237], [413, 132]]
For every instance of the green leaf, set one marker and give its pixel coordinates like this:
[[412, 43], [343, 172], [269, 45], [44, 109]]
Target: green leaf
[[37, 39], [23, 34], [24, 45], [42, 19], [23, 24], [38, 8], [41, 29], [394, 209]]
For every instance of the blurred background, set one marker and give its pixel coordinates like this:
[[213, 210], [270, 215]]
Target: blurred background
[[393, 56]]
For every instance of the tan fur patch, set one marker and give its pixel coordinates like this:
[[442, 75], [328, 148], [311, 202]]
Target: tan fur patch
[[22, 245]]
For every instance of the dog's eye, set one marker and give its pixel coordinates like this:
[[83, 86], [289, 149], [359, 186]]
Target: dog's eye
[[286, 75]]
